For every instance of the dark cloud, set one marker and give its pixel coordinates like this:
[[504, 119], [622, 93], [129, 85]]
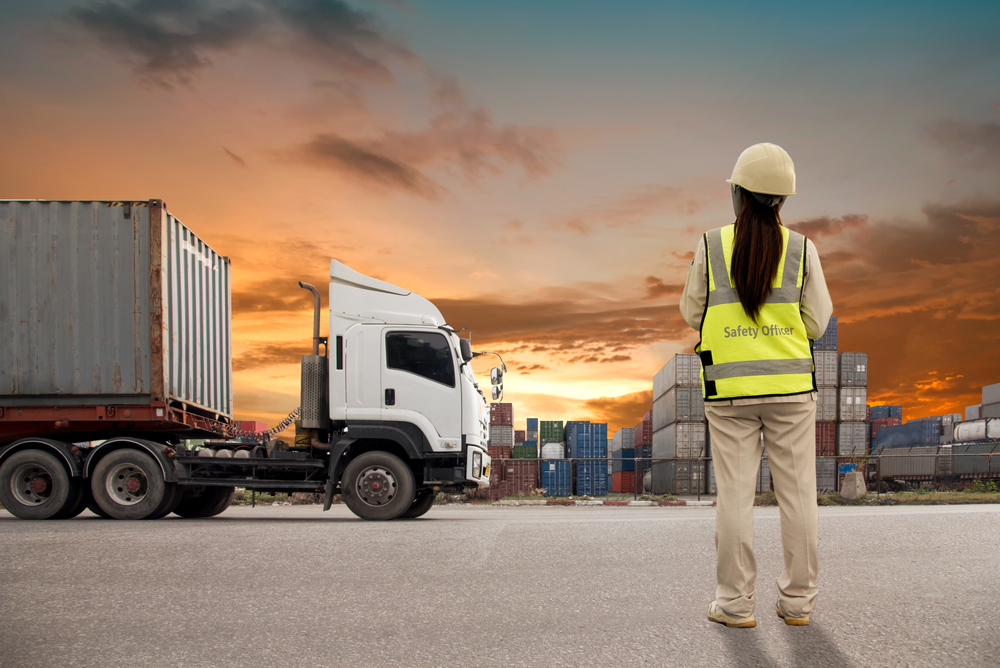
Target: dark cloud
[[464, 138], [367, 164], [976, 143], [622, 411], [816, 228], [656, 288], [167, 41], [261, 355], [237, 159]]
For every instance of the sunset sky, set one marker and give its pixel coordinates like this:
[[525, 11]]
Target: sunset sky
[[540, 170]]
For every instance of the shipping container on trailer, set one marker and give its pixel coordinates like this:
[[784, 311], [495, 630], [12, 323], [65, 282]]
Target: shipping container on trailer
[[978, 430], [976, 460], [113, 313], [913, 433], [916, 463]]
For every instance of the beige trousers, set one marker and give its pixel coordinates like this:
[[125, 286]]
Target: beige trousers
[[790, 441]]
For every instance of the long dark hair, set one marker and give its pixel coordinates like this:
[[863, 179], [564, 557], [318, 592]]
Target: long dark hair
[[756, 253]]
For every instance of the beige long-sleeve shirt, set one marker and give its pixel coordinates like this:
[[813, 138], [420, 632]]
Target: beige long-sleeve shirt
[[816, 308]]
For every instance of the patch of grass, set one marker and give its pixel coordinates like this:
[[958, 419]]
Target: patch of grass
[[656, 498], [533, 495], [766, 499]]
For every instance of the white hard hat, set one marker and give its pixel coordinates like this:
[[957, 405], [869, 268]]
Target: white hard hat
[[765, 169]]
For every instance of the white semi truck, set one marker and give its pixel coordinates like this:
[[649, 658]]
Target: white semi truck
[[118, 320]]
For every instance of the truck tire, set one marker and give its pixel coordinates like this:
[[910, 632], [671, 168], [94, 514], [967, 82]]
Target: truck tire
[[96, 509], [172, 499], [420, 505], [204, 502], [128, 485], [377, 486], [35, 485], [82, 498]]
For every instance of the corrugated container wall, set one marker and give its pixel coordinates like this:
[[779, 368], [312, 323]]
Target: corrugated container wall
[[826, 474], [550, 430], [683, 370], [826, 404], [851, 438], [678, 404], [973, 412], [557, 478], [111, 302], [990, 411], [914, 433], [827, 369], [623, 439], [879, 412], [853, 369], [991, 394], [532, 424], [829, 339], [852, 406], [826, 439], [502, 414], [680, 439]]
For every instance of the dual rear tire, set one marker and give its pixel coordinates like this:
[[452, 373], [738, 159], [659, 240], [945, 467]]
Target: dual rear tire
[[36, 485]]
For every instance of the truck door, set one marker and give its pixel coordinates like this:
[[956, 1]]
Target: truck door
[[420, 382]]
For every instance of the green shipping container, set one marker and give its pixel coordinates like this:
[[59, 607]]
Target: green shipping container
[[550, 430], [525, 452]]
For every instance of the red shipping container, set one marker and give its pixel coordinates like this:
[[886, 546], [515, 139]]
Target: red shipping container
[[623, 481], [644, 433], [519, 436], [500, 451], [826, 439], [502, 414], [252, 425]]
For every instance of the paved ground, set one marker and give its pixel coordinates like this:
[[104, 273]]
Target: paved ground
[[482, 586]]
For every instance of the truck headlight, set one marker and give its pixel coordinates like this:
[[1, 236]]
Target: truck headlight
[[477, 465]]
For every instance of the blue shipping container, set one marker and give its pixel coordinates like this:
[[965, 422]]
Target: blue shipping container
[[532, 424], [896, 412], [914, 433], [530, 443], [879, 412], [557, 477], [623, 460], [586, 440], [590, 478], [829, 339]]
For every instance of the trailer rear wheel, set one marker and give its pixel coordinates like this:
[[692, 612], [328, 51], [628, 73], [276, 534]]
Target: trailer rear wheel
[[128, 485], [171, 498], [207, 502], [420, 505], [377, 486], [35, 485], [82, 498]]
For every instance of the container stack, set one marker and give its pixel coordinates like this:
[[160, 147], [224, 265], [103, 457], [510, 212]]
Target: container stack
[[519, 437], [623, 460], [679, 428], [827, 382], [828, 341], [852, 405], [643, 449], [557, 476], [501, 444], [531, 433], [588, 442]]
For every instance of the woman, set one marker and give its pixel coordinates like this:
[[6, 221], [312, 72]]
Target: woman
[[755, 290]]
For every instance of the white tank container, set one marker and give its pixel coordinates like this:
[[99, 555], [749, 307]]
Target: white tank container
[[978, 430]]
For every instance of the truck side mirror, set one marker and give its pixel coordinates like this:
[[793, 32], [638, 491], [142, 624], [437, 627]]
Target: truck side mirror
[[466, 349], [496, 392], [496, 376]]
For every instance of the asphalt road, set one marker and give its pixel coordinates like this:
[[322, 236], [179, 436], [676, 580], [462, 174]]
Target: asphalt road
[[484, 586]]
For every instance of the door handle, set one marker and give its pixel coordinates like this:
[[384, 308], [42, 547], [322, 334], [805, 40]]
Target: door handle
[[390, 397]]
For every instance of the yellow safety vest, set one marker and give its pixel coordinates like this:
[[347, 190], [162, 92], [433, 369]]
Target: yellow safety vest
[[741, 358]]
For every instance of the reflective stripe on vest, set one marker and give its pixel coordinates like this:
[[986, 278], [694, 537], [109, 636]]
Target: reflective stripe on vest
[[740, 357]]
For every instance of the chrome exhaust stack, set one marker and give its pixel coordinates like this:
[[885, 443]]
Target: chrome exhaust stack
[[315, 376]]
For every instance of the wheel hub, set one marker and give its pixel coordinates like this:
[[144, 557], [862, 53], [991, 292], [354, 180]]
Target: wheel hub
[[126, 484], [376, 486], [31, 485]]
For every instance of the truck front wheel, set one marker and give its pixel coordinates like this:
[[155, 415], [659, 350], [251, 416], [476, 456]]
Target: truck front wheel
[[35, 485], [377, 486], [128, 485]]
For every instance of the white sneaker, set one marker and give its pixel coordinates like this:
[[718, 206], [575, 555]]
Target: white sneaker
[[715, 614]]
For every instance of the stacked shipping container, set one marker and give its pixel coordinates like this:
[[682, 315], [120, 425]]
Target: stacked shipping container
[[643, 449], [852, 406], [589, 443], [679, 428], [827, 380]]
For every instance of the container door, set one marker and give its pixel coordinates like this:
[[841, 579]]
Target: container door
[[420, 382]]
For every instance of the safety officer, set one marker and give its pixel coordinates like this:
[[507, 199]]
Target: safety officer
[[756, 292]]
